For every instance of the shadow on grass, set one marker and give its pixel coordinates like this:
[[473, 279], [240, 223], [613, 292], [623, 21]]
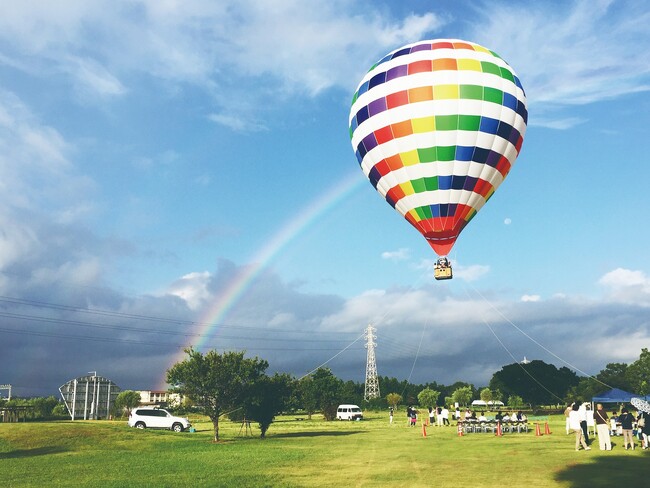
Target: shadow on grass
[[25, 453], [317, 433], [615, 470]]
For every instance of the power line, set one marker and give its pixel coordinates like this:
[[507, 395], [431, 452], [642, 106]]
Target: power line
[[148, 343], [78, 323], [103, 312]]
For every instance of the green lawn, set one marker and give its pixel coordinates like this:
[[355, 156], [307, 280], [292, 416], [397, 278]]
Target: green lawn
[[307, 453]]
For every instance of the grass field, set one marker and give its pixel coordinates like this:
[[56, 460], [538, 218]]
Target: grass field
[[307, 453]]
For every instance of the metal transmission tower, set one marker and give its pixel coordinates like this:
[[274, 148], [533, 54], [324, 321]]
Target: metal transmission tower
[[372, 382]]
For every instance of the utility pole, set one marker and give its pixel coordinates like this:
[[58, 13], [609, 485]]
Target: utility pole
[[372, 382]]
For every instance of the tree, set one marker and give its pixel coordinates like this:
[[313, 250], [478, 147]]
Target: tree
[[515, 401], [327, 388], [639, 371], [393, 400], [267, 398], [462, 395], [43, 406], [126, 401], [306, 394], [537, 382], [216, 382], [586, 388], [614, 375], [486, 395], [428, 398]]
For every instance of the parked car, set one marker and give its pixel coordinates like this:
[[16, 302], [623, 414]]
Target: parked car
[[157, 418], [349, 412]]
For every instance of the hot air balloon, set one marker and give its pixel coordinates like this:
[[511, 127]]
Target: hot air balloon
[[436, 126]]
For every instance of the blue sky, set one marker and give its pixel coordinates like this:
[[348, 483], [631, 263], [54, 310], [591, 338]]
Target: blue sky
[[150, 151]]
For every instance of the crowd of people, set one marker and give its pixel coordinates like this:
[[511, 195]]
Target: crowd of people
[[581, 419], [440, 416]]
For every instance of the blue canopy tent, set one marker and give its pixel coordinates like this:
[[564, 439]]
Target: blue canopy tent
[[615, 395]]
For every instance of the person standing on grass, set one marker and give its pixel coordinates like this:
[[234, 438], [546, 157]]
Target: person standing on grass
[[643, 422], [574, 424], [390, 413], [582, 410], [567, 411], [445, 415], [432, 416], [602, 428], [627, 420], [439, 416]]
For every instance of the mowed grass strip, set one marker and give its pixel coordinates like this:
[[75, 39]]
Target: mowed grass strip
[[305, 453]]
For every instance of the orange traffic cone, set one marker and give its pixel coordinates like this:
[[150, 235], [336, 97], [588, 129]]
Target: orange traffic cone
[[547, 429], [538, 433], [499, 432], [424, 430]]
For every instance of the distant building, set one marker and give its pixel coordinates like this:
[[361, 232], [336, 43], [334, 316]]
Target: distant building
[[89, 397], [160, 398]]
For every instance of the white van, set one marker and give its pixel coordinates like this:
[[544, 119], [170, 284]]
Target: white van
[[349, 412]]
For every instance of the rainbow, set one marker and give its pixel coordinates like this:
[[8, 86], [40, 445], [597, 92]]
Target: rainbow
[[217, 311]]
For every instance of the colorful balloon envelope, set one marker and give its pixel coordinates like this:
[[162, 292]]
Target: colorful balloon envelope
[[436, 126]]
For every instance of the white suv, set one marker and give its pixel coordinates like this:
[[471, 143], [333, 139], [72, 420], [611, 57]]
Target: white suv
[[157, 418]]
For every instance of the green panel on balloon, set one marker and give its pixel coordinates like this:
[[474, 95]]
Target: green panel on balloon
[[446, 153], [493, 95], [446, 122], [427, 154], [418, 185], [471, 92], [431, 183], [469, 122]]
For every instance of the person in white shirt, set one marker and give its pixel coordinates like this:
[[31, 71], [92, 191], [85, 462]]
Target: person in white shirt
[[591, 423], [582, 411], [445, 415], [574, 424]]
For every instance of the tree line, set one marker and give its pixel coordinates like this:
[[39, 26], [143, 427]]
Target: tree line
[[229, 385]]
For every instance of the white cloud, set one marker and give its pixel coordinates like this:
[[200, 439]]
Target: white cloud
[[238, 123], [399, 255], [507, 221], [470, 273], [623, 278], [193, 288], [553, 123], [627, 286], [95, 78], [530, 298], [583, 51], [248, 55]]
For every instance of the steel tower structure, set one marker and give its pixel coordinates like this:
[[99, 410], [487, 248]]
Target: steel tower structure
[[372, 382]]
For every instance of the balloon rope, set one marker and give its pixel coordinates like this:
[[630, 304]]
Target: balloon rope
[[575, 368], [517, 362], [383, 318], [396, 302], [417, 353], [335, 355]]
